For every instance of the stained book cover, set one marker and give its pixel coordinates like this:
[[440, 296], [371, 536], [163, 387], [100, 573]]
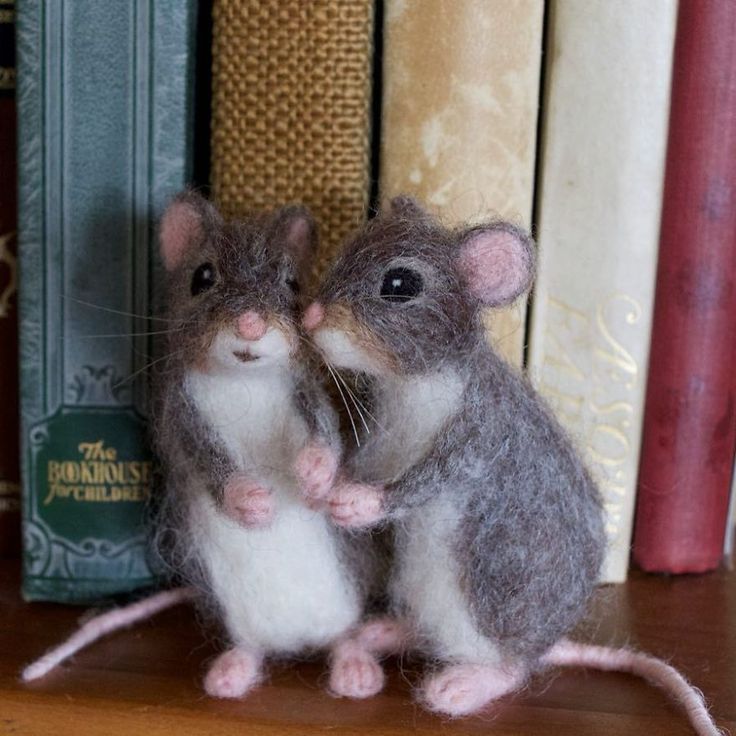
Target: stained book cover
[[9, 432], [604, 131], [291, 109], [690, 416], [104, 95], [459, 117]]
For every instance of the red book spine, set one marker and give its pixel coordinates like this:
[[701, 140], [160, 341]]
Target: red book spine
[[690, 414], [9, 453]]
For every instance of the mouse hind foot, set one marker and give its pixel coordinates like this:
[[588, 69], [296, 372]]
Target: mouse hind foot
[[355, 670], [462, 689], [234, 673]]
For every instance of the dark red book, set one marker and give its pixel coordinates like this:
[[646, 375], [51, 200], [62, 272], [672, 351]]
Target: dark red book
[[9, 453], [690, 414]]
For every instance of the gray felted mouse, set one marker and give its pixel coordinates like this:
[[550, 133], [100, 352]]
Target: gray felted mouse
[[498, 525], [238, 413]]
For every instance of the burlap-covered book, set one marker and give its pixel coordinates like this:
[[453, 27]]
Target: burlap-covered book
[[104, 97], [291, 104]]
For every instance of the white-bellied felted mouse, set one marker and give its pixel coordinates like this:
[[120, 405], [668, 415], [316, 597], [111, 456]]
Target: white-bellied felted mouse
[[498, 526], [237, 410]]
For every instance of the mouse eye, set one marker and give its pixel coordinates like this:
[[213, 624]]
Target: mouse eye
[[203, 278], [401, 285], [293, 284]]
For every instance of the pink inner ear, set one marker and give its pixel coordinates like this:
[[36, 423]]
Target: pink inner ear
[[180, 227], [496, 265]]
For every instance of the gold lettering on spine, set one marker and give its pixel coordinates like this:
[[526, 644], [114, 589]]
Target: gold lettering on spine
[[589, 375], [98, 477]]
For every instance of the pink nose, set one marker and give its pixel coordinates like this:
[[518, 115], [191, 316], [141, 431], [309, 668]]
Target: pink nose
[[251, 326], [314, 314]]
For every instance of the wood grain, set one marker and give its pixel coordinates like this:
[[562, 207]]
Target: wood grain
[[148, 679]]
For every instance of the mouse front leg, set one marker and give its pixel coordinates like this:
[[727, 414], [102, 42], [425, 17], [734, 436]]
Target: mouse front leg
[[317, 462], [315, 468], [247, 502], [356, 505]]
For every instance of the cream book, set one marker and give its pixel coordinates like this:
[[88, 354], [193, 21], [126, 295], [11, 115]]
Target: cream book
[[459, 115], [604, 134]]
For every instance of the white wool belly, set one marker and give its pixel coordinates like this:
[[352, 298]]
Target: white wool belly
[[426, 585], [282, 588], [425, 579]]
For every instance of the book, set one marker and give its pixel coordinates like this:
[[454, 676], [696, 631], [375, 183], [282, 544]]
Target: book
[[459, 116], [604, 129], [291, 109], [9, 452], [105, 108], [690, 416]]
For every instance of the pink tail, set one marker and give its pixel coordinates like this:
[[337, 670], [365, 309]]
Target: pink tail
[[105, 623], [572, 654]]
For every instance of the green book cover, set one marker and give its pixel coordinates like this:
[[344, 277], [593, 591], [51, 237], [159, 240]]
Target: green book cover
[[105, 124]]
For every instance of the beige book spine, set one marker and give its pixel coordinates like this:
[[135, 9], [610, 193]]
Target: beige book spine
[[459, 115], [605, 122]]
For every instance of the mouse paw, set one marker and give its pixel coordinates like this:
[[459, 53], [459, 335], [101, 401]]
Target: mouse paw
[[357, 504], [248, 502], [355, 672], [315, 468], [462, 689], [233, 674]]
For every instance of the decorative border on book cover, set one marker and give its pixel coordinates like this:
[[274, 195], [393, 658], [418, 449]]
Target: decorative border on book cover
[[105, 103]]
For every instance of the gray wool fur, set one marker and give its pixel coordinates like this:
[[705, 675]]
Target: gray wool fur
[[255, 271], [528, 538]]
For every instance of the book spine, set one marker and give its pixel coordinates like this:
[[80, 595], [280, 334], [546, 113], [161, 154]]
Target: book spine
[[604, 130], [104, 97], [690, 416], [291, 109], [9, 451], [459, 116]]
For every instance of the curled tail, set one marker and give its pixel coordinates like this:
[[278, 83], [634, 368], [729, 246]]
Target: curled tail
[[572, 654], [106, 623]]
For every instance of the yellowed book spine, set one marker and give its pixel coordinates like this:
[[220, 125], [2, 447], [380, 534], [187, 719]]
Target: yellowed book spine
[[459, 115], [604, 135], [291, 108]]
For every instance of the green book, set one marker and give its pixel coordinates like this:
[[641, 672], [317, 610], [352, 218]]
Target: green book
[[105, 93]]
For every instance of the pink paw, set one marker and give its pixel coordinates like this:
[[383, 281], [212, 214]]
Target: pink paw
[[315, 468], [383, 635], [232, 674], [247, 502], [357, 504], [355, 673], [463, 689]]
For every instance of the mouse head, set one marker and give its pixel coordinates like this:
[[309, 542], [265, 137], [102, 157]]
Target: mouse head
[[234, 287], [406, 294]]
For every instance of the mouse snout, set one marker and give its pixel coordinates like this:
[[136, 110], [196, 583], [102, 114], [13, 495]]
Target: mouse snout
[[313, 316], [251, 326]]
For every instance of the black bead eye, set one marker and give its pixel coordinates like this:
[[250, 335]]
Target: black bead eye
[[401, 285], [203, 278], [293, 284]]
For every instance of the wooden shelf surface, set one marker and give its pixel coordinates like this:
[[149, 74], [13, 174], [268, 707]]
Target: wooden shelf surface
[[147, 679]]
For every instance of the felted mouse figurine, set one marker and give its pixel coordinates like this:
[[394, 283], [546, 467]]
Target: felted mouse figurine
[[498, 526], [237, 410]]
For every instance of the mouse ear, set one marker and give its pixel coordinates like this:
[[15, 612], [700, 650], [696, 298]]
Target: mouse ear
[[295, 228], [497, 263], [183, 225], [406, 207]]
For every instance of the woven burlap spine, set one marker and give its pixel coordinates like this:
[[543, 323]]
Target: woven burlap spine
[[291, 102]]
